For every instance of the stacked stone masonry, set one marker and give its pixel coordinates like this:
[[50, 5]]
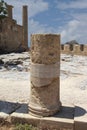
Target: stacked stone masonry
[[69, 118], [80, 49], [12, 37]]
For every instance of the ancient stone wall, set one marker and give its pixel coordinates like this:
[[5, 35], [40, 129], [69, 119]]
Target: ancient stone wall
[[80, 49], [12, 34]]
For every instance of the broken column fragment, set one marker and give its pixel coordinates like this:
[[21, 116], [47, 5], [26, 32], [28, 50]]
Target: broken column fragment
[[45, 75]]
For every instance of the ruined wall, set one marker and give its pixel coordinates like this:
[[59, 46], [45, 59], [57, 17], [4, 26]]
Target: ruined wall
[[11, 36], [74, 49]]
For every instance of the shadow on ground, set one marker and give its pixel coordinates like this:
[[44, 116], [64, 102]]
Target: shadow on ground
[[65, 112], [10, 107]]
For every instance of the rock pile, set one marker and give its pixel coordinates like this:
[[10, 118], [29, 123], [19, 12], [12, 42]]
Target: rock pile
[[15, 62]]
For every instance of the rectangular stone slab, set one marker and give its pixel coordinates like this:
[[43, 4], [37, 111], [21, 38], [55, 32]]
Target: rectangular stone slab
[[61, 121], [80, 118]]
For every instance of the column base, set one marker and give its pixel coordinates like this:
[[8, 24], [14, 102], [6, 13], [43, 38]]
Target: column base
[[43, 112]]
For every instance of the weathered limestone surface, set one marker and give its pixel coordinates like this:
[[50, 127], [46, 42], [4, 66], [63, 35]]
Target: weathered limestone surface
[[10, 15], [25, 26], [76, 49], [80, 49], [45, 97], [69, 118], [85, 50], [47, 123], [80, 118], [13, 37], [67, 49], [63, 120]]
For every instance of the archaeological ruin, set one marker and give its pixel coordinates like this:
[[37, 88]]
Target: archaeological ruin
[[45, 75], [45, 108], [13, 37], [45, 86], [80, 49]]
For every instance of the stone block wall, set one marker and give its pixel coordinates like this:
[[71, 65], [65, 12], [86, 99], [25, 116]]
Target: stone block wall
[[80, 49], [11, 36]]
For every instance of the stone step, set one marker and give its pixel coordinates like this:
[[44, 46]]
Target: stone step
[[80, 117], [69, 117]]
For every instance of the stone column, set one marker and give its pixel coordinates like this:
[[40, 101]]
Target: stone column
[[25, 26], [45, 75], [10, 13]]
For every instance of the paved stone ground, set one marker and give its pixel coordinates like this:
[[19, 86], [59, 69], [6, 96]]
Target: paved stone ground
[[69, 117]]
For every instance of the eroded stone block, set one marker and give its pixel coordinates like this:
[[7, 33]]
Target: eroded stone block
[[80, 118]]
